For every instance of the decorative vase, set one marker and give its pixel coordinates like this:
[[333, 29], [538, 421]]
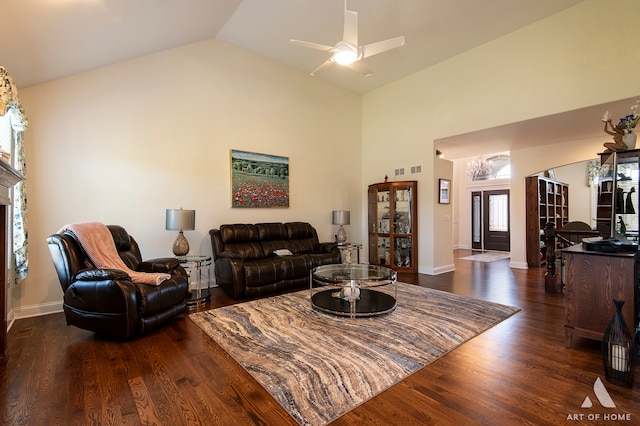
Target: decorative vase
[[618, 352], [629, 140]]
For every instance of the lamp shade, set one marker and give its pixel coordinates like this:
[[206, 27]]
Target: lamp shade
[[341, 217], [181, 220]]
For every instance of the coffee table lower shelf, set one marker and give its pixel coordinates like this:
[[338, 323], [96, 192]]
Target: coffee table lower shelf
[[370, 303]]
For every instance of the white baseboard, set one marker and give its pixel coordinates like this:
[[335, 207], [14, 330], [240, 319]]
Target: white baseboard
[[437, 271], [519, 265], [37, 310]]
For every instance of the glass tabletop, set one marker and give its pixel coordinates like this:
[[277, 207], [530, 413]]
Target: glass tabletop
[[363, 274]]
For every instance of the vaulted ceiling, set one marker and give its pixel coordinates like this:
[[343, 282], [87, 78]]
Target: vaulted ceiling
[[43, 40]]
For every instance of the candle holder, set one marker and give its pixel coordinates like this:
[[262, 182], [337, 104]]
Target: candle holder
[[618, 352]]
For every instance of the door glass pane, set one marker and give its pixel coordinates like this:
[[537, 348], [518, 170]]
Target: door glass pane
[[499, 213], [476, 212], [402, 219]]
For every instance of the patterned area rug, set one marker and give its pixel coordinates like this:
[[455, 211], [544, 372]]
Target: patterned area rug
[[487, 257], [319, 366]]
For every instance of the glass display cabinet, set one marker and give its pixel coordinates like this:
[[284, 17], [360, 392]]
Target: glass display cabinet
[[617, 210], [392, 208]]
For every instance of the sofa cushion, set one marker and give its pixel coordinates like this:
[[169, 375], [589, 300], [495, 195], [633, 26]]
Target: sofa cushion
[[264, 271], [297, 266], [297, 230], [272, 231], [269, 246], [243, 240], [246, 251], [239, 233]]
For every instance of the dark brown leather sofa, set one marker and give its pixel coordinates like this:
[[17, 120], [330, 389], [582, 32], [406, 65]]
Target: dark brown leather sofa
[[105, 300], [245, 263]]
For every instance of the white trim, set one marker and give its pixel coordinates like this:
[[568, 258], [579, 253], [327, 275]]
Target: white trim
[[519, 265], [489, 184], [437, 271], [38, 310]]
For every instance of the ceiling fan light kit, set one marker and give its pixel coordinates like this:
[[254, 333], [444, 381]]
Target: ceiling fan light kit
[[347, 52]]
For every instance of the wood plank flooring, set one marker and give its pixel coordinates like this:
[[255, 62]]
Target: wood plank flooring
[[518, 372]]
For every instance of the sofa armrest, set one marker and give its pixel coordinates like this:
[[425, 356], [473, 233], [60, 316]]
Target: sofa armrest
[[164, 264], [101, 275], [325, 247], [230, 255]]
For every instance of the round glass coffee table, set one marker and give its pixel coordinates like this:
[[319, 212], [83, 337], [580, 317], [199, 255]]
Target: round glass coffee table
[[353, 290]]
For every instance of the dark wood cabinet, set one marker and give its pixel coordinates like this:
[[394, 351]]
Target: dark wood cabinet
[[547, 200], [392, 209], [593, 281]]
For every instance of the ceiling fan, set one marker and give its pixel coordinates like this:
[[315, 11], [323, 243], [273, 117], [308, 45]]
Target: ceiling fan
[[347, 52]]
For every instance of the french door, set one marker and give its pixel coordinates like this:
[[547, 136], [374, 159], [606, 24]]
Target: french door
[[490, 220]]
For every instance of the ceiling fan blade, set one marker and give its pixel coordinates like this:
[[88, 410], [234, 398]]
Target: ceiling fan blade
[[323, 67], [382, 46], [350, 27], [361, 68], [311, 45]]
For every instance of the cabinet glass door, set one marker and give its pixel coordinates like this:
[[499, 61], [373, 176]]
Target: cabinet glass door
[[384, 205], [626, 199], [402, 224], [384, 251], [617, 210], [384, 226]]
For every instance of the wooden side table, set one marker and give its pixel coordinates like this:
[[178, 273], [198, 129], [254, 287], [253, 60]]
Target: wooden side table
[[197, 264]]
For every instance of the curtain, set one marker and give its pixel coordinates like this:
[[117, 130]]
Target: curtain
[[10, 104]]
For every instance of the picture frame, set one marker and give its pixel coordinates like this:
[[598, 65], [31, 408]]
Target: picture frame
[[259, 180], [444, 191]]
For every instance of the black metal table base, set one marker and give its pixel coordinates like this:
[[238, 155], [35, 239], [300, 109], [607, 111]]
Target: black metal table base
[[369, 304], [193, 298]]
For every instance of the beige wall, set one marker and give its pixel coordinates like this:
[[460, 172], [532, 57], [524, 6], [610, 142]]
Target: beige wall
[[583, 56], [120, 144]]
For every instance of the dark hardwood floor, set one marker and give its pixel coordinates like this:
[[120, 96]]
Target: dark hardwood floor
[[518, 372]]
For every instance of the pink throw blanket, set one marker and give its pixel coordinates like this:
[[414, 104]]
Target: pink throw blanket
[[97, 242]]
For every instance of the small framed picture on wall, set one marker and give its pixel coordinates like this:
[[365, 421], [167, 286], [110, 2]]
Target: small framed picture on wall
[[444, 191]]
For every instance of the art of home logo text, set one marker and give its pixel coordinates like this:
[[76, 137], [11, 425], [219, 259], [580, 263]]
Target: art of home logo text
[[605, 401]]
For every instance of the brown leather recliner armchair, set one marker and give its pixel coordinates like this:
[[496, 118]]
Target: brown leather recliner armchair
[[105, 300]]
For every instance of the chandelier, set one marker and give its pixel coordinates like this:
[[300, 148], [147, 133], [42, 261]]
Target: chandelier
[[479, 167]]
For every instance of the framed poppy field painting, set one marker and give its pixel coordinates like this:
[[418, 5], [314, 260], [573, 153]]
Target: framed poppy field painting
[[259, 180]]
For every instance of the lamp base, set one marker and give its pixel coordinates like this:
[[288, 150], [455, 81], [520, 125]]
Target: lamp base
[[180, 245], [341, 236]]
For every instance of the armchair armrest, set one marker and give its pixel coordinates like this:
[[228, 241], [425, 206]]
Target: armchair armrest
[[101, 275], [102, 291], [164, 264]]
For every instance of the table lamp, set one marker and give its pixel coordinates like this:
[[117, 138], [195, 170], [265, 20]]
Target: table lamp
[[181, 220], [341, 217]]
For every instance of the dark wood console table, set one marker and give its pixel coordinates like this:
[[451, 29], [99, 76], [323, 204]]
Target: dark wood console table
[[8, 178], [593, 280]]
